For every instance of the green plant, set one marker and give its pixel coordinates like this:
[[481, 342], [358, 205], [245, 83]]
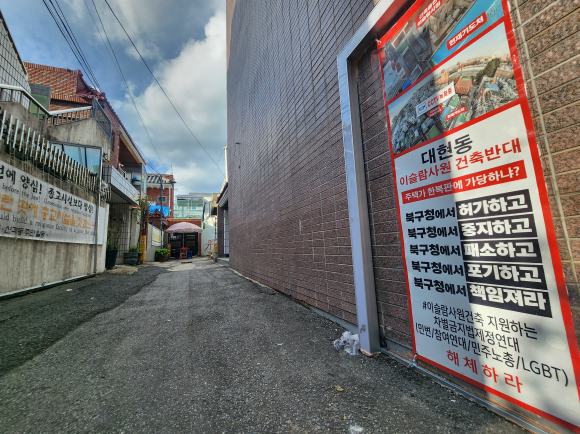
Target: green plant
[[161, 252], [135, 249], [113, 238]]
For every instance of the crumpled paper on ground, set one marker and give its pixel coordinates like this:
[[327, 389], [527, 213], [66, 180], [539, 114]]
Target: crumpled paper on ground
[[348, 343]]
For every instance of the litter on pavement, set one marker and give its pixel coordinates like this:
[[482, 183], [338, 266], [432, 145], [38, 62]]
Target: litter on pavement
[[348, 343]]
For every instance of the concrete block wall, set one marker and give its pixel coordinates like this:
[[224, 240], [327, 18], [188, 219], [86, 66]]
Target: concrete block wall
[[288, 213]]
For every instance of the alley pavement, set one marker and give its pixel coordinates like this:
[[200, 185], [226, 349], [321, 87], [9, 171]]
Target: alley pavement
[[196, 348]]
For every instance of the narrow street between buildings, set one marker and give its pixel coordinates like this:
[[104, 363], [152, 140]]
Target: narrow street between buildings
[[196, 348]]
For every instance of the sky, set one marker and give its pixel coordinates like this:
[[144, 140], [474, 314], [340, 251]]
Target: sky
[[184, 43]]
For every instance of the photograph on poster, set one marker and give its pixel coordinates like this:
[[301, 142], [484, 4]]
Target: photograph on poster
[[434, 32], [483, 80]]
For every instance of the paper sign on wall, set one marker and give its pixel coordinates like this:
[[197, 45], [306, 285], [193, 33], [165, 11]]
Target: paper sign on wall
[[33, 209]]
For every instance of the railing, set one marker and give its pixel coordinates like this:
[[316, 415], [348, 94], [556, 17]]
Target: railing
[[114, 177], [25, 144], [58, 117], [70, 115], [21, 95], [102, 119]]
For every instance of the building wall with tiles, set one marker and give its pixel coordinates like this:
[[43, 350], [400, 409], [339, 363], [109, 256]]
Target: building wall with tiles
[[288, 213], [548, 36]]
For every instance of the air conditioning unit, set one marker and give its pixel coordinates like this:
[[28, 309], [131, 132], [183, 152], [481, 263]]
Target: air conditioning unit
[[106, 156]]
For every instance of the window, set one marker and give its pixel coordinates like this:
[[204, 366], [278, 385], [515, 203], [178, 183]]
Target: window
[[77, 153], [162, 199]]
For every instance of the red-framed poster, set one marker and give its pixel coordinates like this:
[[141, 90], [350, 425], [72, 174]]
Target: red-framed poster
[[486, 290]]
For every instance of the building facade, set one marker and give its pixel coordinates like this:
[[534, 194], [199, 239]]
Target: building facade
[[53, 208], [124, 165], [287, 151]]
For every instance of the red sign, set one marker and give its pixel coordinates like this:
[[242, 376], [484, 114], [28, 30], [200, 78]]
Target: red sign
[[467, 30], [485, 178], [455, 113], [436, 111], [427, 12]]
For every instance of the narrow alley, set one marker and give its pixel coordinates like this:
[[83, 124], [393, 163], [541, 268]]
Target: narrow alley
[[197, 348]]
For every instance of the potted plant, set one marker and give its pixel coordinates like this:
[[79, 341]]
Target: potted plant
[[133, 255], [113, 244], [161, 255]]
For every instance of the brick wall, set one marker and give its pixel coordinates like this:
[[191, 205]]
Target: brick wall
[[548, 36], [153, 194], [288, 214], [289, 220], [549, 45], [220, 231]]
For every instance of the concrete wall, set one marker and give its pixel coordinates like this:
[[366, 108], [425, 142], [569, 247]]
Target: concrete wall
[[29, 263], [85, 132], [209, 234]]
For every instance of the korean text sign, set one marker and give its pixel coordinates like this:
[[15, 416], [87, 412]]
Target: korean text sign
[[33, 209], [485, 284]]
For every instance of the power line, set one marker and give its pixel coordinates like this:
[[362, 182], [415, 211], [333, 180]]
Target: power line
[[161, 87], [121, 75], [75, 42], [120, 72], [71, 41]]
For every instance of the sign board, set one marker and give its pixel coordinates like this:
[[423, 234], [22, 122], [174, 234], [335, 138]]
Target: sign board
[[155, 237], [486, 289], [33, 209]]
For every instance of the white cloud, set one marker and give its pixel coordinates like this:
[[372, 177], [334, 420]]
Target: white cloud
[[195, 81]]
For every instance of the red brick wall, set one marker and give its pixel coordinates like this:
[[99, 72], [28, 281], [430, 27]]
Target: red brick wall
[[153, 194]]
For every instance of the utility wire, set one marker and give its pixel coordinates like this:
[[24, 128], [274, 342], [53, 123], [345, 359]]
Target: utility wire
[[120, 72], [75, 42], [161, 87], [77, 52]]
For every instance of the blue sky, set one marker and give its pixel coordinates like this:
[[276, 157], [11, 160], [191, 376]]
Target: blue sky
[[185, 45]]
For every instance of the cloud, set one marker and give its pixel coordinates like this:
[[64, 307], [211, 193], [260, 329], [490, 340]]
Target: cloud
[[195, 81]]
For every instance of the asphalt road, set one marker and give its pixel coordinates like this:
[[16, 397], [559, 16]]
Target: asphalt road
[[202, 350]]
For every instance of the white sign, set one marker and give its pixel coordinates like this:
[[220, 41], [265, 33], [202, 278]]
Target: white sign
[[484, 295], [32, 209], [156, 237], [437, 98]]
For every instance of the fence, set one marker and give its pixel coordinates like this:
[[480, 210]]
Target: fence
[[27, 145]]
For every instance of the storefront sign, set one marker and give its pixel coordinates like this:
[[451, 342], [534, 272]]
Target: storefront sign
[[485, 283], [32, 209]]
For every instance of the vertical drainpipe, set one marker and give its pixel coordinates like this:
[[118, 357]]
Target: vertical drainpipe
[[98, 208]]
